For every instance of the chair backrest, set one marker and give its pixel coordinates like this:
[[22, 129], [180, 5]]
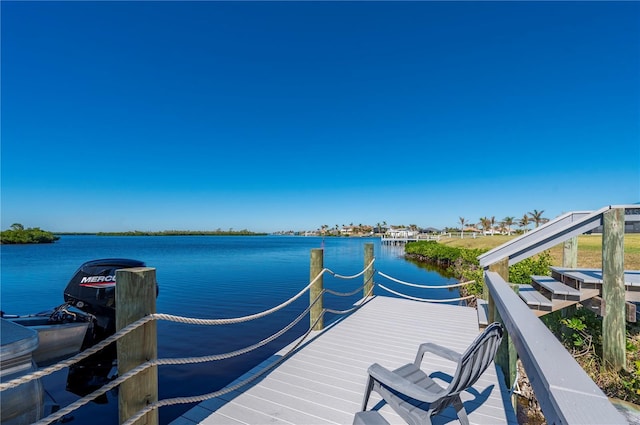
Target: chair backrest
[[476, 358]]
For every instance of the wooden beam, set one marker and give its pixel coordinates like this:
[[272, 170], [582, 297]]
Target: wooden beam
[[570, 253], [317, 264], [598, 306], [368, 274], [135, 299], [570, 260], [613, 290]]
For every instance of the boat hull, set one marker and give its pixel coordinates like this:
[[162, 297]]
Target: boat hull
[[57, 341], [23, 404]]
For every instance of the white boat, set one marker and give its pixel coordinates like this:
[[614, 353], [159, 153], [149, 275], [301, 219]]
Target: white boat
[[23, 404], [60, 332]]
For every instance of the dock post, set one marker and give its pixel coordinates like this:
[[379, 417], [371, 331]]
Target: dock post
[[570, 261], [570, 253], [135, 299], [317, 264], [368, 274], [613, 290], [507, 356]]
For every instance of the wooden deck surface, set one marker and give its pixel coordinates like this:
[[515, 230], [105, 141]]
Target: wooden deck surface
[[323, 382]]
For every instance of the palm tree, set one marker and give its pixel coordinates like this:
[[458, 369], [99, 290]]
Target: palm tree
[[462, 221], [508, 221], [493, 223], [485, 223], [524, 222], [536, 217]]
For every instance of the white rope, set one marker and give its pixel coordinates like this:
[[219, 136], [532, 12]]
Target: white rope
[[343, 294], [216, 357], [155, 316], [455, 285], [159, 316], [161, 362], [423, 299], [195, 321], [197, 399], [75, 359], [339, 276], [368, 294], [90, 397]]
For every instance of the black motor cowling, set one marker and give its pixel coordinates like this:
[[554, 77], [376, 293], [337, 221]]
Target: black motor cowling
[[92, 289]]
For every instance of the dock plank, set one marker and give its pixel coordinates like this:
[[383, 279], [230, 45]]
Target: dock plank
[[323, 382]]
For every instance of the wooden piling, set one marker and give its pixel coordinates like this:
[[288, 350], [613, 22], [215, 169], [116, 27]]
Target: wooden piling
[[317, 264], [135, 299], [570, 261], [613, 290], [368, 274], [570, 253]]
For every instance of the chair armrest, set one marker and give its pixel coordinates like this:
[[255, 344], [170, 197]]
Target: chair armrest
[[402, 385], [438, 350]]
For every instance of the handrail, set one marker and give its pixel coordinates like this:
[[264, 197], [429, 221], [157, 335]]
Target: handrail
[[554, 232], [565, 392]]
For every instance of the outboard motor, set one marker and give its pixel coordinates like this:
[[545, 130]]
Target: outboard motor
[[92, 289]]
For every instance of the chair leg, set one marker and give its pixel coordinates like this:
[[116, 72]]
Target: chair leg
[[367, 393], [462, 413]]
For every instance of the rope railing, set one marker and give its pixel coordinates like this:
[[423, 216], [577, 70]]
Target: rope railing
[[197, 399], [415, 285], [349, 294], [188, 360], [156, 316], [370, 265], [424, 299], [225, 390], [77, 358]]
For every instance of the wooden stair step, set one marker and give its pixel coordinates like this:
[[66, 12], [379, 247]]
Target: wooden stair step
[[555, 289], [534, 299]]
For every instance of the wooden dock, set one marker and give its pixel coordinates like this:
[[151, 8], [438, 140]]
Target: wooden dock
[[323, 382]]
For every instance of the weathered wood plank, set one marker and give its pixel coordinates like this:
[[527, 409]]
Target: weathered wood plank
[[613, 290], [136, 298], [315, 292]]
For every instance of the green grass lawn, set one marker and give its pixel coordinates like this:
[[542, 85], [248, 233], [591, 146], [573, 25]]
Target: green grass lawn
[[589, 249]]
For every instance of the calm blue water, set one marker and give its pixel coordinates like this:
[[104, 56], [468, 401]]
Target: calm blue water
[[205, 277]]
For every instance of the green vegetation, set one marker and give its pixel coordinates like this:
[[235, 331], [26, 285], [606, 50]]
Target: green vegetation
[[463, 263], [579, 331], [581, 334], [17, 234], [217, 232], [459, 262]]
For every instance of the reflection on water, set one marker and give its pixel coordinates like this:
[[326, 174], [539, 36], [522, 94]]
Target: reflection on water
[[630, 411], [432, 268]]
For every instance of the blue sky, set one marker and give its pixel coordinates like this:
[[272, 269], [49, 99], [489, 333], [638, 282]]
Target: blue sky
[[290, 115]]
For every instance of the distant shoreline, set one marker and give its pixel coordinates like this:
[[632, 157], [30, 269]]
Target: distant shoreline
[[167, 233]]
